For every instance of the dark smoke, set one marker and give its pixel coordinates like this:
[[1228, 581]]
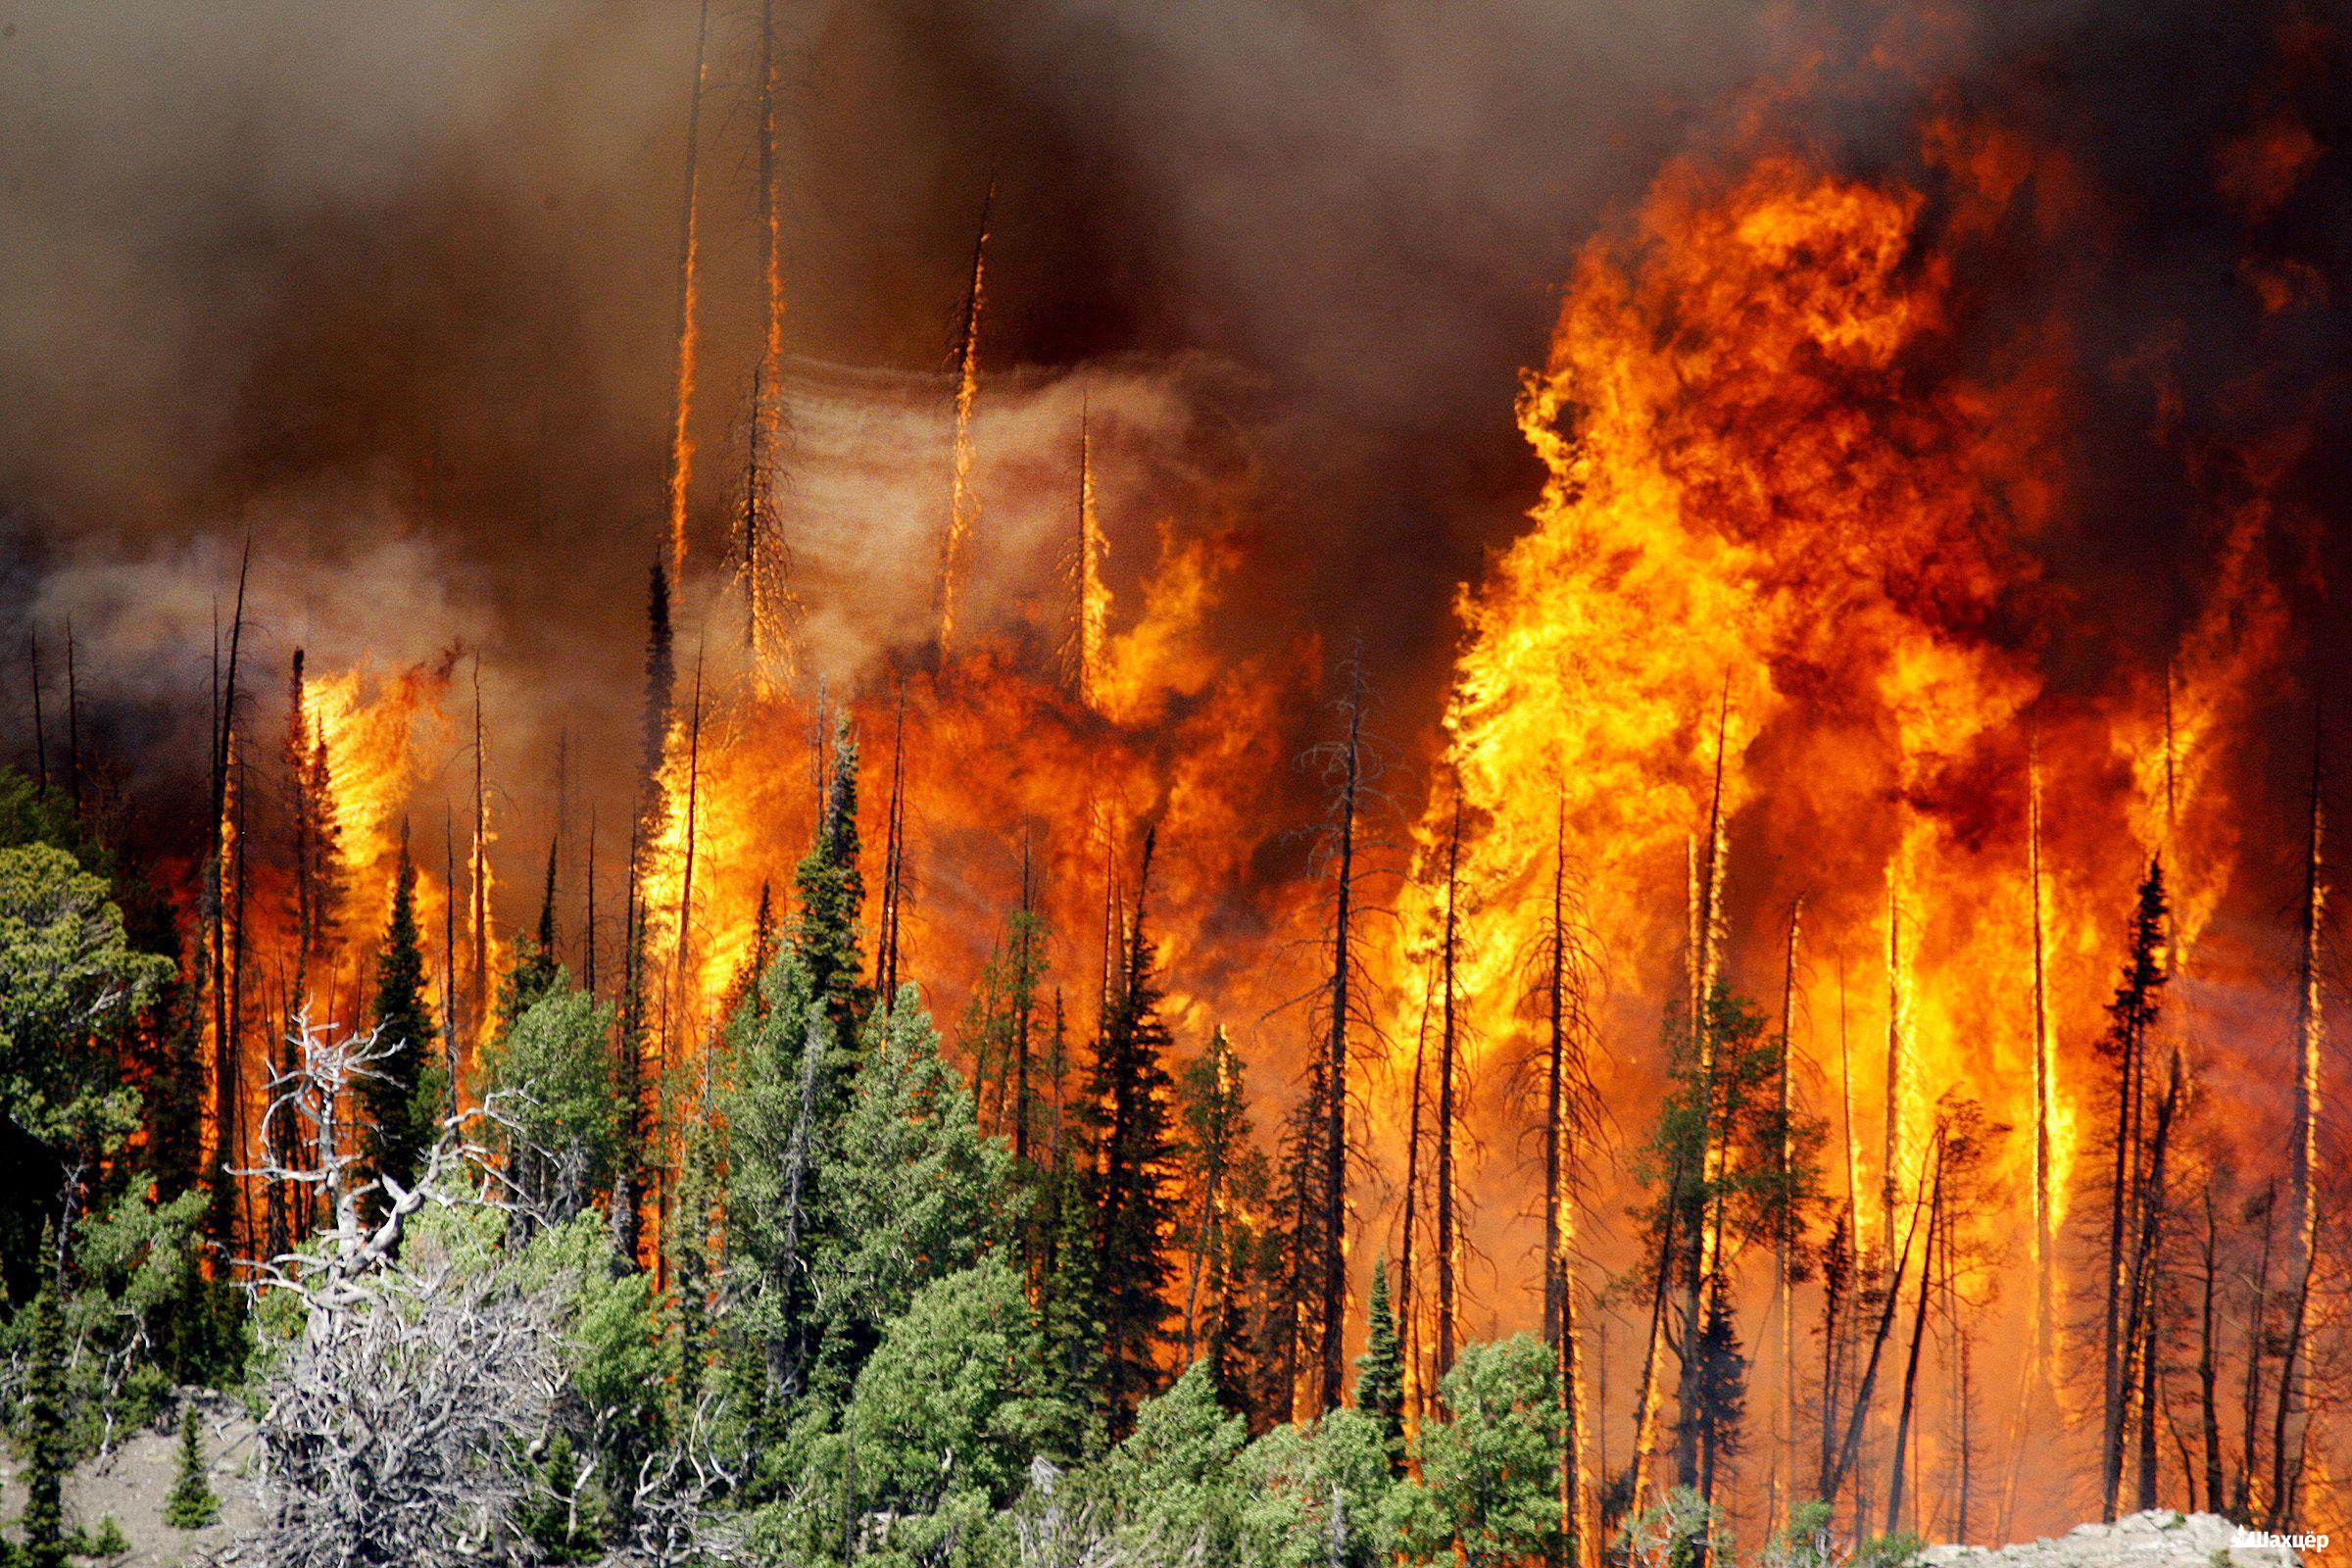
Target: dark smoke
[[390, 289]]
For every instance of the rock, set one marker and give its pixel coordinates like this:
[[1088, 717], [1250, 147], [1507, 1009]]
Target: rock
[[2162, 1538]]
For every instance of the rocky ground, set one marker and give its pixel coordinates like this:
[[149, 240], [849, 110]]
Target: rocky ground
[[2139, 1540], [129, 1484]]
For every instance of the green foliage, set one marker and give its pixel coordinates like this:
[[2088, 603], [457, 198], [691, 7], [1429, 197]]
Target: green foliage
[[141, 1313], [1807, 1540], [1069, 1303], [948, 1412], [1380, 1370], [1135, 1187], [561, 1516], [69, 981], [1488, 1471], [46, 1442], [1318, 1495], [398, 1100], [832, 896], [1900, 1551], [565, 1144], [107, 1541], [913, 1191], [30, 815], [191, 1504], [1682, 1532], [1175, 1479], [838, 1224]]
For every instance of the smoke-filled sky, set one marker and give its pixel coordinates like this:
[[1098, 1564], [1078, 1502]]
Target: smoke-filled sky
[[392, 288]]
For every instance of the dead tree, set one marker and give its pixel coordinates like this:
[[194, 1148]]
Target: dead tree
[[40, 727], [480, 933], [2241, 1500], [894, 867], [1911, 1366], [1571, 1116], [1343, 766], [225, 1075], [681, 443], [397, 1423], [1449, 1040], [2131, 1020], [1407, 1314]]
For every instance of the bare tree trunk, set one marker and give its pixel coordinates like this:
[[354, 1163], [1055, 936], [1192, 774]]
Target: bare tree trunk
[[2115, 1380], [681, 441], [73, 725], [1785, 1238], [2208, 1385], [41, 728], [2310, 1030], [1448, 1049], [894, 863], [479, 934], [1705, 967], [1919, 1334], [450, 1026], [1024, 1005], [961, 506], [225, 1075], [1851, 1444], [1891, 1169], [1407, 1316], [588, 917], [1648, 1399], [2286, 1473], [1335, 1071], [2145, 1292], [2242, 1504], [681, 960]]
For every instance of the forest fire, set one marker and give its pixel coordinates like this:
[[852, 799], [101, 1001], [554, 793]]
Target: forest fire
[[1756, 920]]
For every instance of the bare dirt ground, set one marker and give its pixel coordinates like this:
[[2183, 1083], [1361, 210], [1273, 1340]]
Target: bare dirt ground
[[131, 1481]]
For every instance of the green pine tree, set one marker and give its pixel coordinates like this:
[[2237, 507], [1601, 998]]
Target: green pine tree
[[1069, 1298], [48, 1440], [1380, 1370], [191, 1504], [1136, 1198], [397, 1118], [560, 1518], [912, 1191], [832, 894]]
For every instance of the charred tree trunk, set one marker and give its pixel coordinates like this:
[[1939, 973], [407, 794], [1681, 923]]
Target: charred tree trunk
[[2146, 1288], [1850, 1445], [1335, 1062], [1409, 1317], [2209, 1408], [225, 1075], [1918, 1334], [588, 915], [681, 442], [2241, 1500], [1785, 1238], [1448, 1054], [894, 864], [479, 936], [73, 725], [40, 727]]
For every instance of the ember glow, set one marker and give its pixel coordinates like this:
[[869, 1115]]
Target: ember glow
[[1818, 513]]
